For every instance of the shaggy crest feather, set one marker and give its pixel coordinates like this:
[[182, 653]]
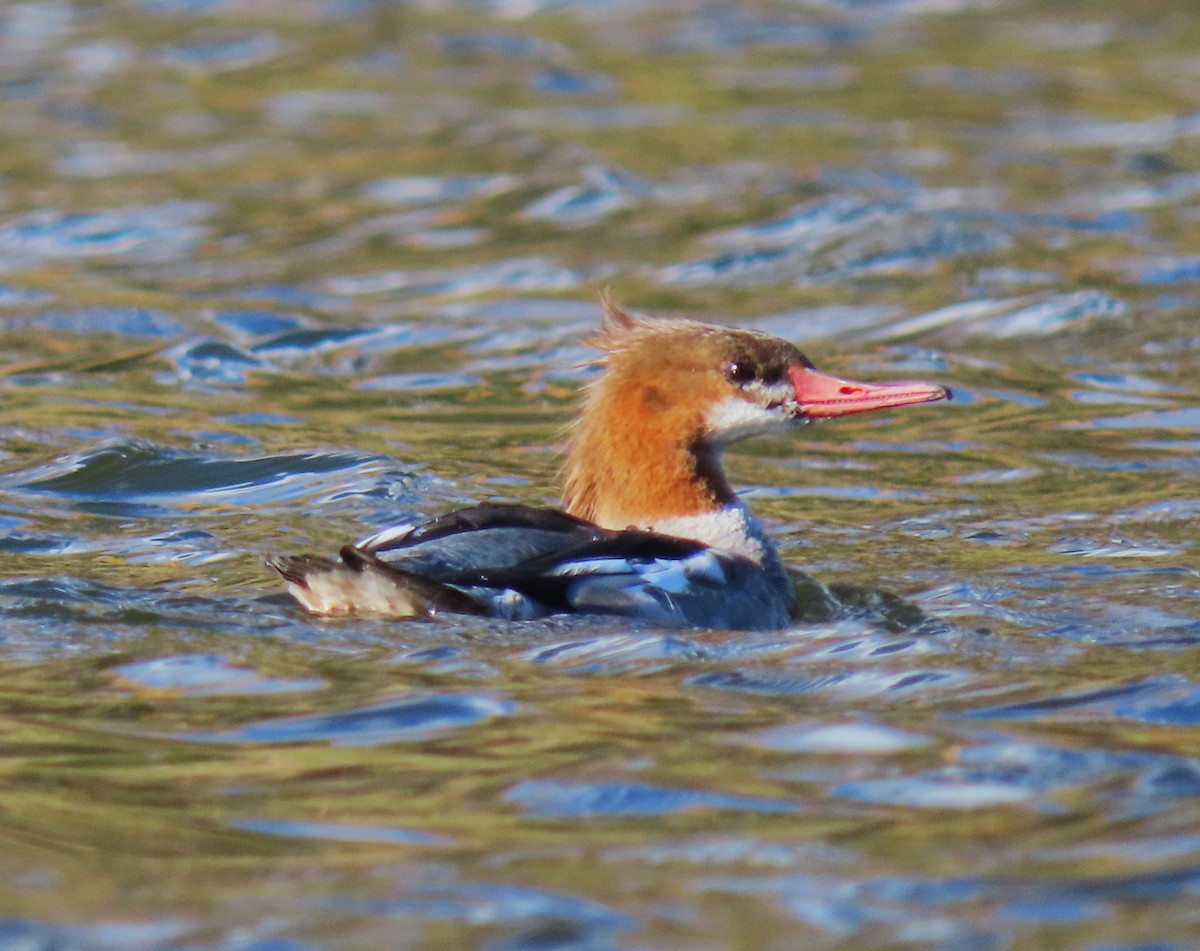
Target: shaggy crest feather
[[621, 329]]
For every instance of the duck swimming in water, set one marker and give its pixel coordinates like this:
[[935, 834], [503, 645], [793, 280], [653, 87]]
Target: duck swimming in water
[[650, 527]]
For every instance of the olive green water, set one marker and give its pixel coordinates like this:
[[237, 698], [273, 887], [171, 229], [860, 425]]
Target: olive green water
[[275, 275]]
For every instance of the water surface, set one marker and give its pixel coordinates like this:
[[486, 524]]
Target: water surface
[[272, 277]]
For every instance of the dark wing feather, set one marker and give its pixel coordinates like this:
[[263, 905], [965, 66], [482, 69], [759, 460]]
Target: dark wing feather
[[539, 579], [465, 561], [493, 515]]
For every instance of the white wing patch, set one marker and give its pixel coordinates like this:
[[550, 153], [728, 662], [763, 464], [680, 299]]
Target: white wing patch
[[704, 566], [672, 575], [596, 566], [661, 590], [384, 536]]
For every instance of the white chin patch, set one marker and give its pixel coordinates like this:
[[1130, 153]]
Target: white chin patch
[[761, 410]]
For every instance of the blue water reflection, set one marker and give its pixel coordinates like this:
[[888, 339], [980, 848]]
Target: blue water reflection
[[546, 798], [399, 721]]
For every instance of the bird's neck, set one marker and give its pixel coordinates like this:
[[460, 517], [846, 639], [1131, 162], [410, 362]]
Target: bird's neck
[[630, 466]]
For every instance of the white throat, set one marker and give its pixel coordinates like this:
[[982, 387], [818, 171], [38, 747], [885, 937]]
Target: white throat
[[733, 528], [763, 409]]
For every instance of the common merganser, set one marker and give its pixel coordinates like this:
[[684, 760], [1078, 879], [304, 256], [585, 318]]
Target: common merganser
[[651, 528]]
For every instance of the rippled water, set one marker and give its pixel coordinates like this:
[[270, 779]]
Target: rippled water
[[273, 275]]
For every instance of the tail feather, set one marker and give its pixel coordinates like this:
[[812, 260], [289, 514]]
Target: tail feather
[[295, 568], [359, 583]]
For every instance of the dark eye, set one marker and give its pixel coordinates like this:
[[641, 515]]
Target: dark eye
[[740, 371]]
